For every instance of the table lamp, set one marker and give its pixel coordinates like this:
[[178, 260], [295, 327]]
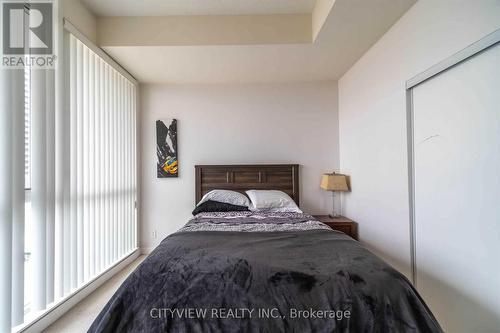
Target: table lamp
[[334, 182]]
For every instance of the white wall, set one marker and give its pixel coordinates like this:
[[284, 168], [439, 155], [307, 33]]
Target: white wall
[[372, 116], [231, 124]]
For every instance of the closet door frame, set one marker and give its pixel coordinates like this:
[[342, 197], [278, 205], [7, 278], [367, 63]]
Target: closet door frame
[[470, 51]]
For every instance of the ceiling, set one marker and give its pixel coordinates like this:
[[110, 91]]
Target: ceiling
[[198, 7], [350, 29]]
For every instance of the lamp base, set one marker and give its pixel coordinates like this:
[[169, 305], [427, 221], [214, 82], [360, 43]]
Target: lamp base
[[334, 216]]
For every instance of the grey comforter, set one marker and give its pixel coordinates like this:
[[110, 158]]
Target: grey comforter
[[244, 272]]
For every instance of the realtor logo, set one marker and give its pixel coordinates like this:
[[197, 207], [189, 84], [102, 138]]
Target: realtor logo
[[27, 28], [28, 34]]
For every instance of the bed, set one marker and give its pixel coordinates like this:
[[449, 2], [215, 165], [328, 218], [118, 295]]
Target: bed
[[262, 272]]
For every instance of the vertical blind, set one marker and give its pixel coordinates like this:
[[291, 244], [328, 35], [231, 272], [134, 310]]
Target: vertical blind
[[102, 166], [74, 158]]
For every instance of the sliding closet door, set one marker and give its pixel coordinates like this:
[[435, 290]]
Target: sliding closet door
[[457, 193]]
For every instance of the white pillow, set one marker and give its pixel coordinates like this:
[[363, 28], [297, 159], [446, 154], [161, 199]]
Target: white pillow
[[226, 196], [277, 201]]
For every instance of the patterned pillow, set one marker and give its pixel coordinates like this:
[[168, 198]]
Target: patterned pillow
[[226, 196]]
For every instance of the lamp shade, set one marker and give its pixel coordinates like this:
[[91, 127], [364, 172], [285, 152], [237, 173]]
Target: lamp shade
[[334, 182]]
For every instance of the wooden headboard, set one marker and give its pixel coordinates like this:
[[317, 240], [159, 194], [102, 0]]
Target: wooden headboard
[[240, 178]]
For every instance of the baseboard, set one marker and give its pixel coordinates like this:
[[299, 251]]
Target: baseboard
[[64, 305]]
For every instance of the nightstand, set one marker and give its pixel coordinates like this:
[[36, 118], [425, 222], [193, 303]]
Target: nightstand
[[347, 226]]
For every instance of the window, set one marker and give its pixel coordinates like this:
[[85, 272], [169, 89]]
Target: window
[[102, 186], [27, 128], [68, 181]]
